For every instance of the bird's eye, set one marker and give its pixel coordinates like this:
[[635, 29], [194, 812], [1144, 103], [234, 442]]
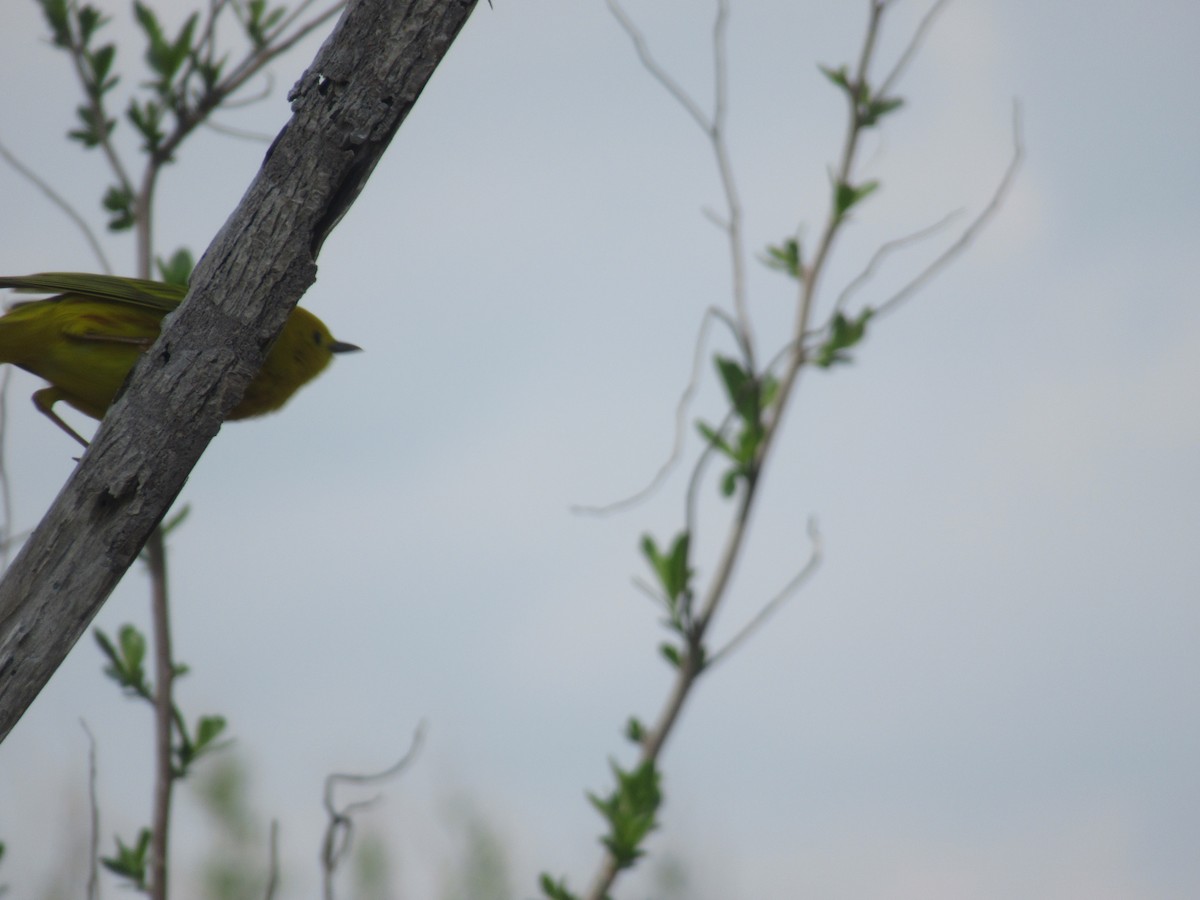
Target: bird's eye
[[317, 338]]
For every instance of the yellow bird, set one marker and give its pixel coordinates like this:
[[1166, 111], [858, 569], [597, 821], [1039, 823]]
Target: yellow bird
[[85, 340]]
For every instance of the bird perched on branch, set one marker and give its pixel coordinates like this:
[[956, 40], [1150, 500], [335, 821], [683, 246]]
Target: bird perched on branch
[[85, 339]]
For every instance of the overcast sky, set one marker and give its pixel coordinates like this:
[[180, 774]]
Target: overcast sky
[[990, 687]]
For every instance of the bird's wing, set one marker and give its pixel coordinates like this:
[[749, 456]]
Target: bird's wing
[[155, 295]]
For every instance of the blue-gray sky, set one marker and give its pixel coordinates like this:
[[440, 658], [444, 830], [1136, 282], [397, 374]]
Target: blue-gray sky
[[988, 690]]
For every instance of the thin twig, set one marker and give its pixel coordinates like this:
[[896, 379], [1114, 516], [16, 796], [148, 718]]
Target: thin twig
[[886, 249], [340, 828], [286, 22], [737, 249], [207, 40], [164, 712], [681, 429], [714, 130], [251, 99], [57, 199], [691, 496], [272, 862], [656, 71], [972, 230], [93, 882], [772, 606], [238, 133], [644, 586], [910, 50]]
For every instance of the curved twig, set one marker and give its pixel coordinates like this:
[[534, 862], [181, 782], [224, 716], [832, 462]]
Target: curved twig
[[238, 133], [656, 71], [972, 230], [772, 606], [251, 99], [681, 408], [910, 50], [341, 826], [883, 251]]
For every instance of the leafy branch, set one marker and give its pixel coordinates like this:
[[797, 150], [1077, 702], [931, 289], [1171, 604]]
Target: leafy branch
[[757, 400], [126, 657], [190, 77]]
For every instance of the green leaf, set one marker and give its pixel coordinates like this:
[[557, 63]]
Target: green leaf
[[846, 195], [106, 645], [672, 567], [635, 731], [55, 12], [210, 73], [95, 128], [178, 271], [258, 21], [101, 62], [678, 573], [785, 258], [650, 550], [631, 811], [711, 435], [119, 201], [130, 861], [735, 379], [555, 890], [208, 728], [876, 108], [133, 647], [839, 76], [90, 20], [147, 119], [729, 482], [126, 659], [844, 333], [671, 654], [149, 22]]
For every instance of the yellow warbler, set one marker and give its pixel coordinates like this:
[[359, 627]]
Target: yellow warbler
[[85, 340]]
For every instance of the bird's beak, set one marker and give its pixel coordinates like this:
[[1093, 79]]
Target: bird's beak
[[343, 347]]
